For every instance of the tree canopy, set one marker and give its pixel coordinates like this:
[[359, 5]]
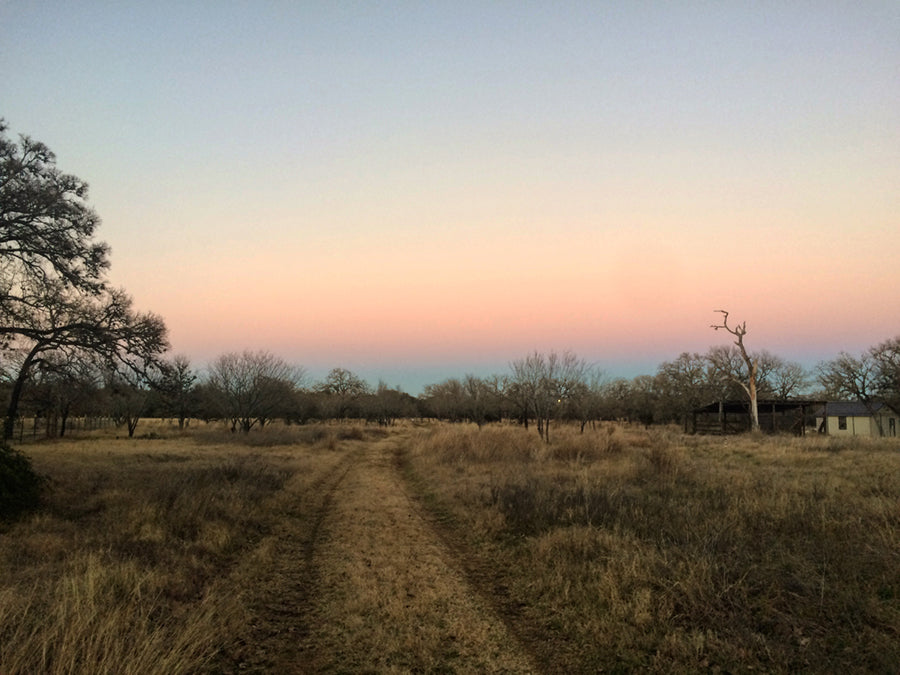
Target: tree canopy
[[54, 297]]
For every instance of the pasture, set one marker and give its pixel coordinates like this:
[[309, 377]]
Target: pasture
[[445, 548]]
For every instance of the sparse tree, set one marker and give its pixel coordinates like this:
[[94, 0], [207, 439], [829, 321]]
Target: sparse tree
[[446, 400], [63, 383], [747, 379], [684, 384], [855, 378], [388, 404], [517, 397], [476, 395], [887, 361], [583, 403], [548, 381], [343, 389], [64, 321], [128, 399], [177, 388], [251, 387], [782, 379]]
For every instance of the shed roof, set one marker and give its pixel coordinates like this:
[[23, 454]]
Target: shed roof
[[848, 409]]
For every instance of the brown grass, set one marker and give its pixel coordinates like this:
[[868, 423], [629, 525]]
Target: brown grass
[[141, 559], [655, 551], [618, 550]]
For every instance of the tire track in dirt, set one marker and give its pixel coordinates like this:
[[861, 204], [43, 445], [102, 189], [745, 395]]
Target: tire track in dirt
[[392, 596], [287, 574], [483, 577]]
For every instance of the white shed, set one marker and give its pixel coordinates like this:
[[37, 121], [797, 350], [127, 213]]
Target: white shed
[[854, 418]]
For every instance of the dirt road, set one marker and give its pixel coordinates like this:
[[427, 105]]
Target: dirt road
[[365, 584]]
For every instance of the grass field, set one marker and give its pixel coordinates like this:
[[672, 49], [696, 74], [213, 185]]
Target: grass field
[[650, 550], [618, 550], [144, 556]]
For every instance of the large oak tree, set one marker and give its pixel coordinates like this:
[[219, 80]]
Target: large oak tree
[[54, 295]]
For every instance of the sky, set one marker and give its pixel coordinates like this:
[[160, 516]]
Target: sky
[[420, 190]]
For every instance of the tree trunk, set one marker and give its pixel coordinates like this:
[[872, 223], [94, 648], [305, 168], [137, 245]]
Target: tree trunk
[[63, 420], [12, 412], [751, 390]]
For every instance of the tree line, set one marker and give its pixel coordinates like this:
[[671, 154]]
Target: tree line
[[71, 345], [248, 390]]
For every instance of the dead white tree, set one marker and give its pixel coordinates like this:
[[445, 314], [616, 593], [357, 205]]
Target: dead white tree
[[748, 379]]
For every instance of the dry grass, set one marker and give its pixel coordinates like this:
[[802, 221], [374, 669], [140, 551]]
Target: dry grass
[[391, 597], [618, 550], [142, 556], [654, 551]]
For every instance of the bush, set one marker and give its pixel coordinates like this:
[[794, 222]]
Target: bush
[[20, 484]]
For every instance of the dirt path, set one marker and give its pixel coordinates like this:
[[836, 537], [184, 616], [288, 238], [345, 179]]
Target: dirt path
[[388, 595]]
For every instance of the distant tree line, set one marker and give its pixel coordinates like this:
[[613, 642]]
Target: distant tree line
[[248, 390]]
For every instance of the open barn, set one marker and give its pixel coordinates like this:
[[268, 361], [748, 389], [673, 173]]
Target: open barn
[[775, 416]]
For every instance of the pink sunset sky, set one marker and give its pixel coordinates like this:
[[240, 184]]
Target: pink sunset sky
[[420, 190]]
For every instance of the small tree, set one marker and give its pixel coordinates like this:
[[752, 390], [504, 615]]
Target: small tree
[[343, 390], [547, 382], [684, 385], [252, 387], [177, 388], [887, 360], [20, 484], [852, 377], [747, 379]]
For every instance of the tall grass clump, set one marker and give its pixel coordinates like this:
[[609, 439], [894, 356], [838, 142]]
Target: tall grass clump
[[571, 445], [454, 444], [103, 615]]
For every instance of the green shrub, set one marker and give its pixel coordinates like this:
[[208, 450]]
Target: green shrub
[[20, 484]]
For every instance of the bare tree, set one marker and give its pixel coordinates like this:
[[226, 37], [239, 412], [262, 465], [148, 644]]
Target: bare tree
[[887, 361], [446, 400], [516, 394], [343, 389], [64, 320], [252, 387], [60, 383], [850, 377], [548, 381], [779, 378], [177, 388], [683, 385], [388, 404], [747, 380]]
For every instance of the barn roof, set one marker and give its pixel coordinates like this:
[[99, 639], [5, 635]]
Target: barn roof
[[764, 405]]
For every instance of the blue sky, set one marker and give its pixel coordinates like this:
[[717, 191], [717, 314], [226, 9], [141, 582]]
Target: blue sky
[[419, 190]]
